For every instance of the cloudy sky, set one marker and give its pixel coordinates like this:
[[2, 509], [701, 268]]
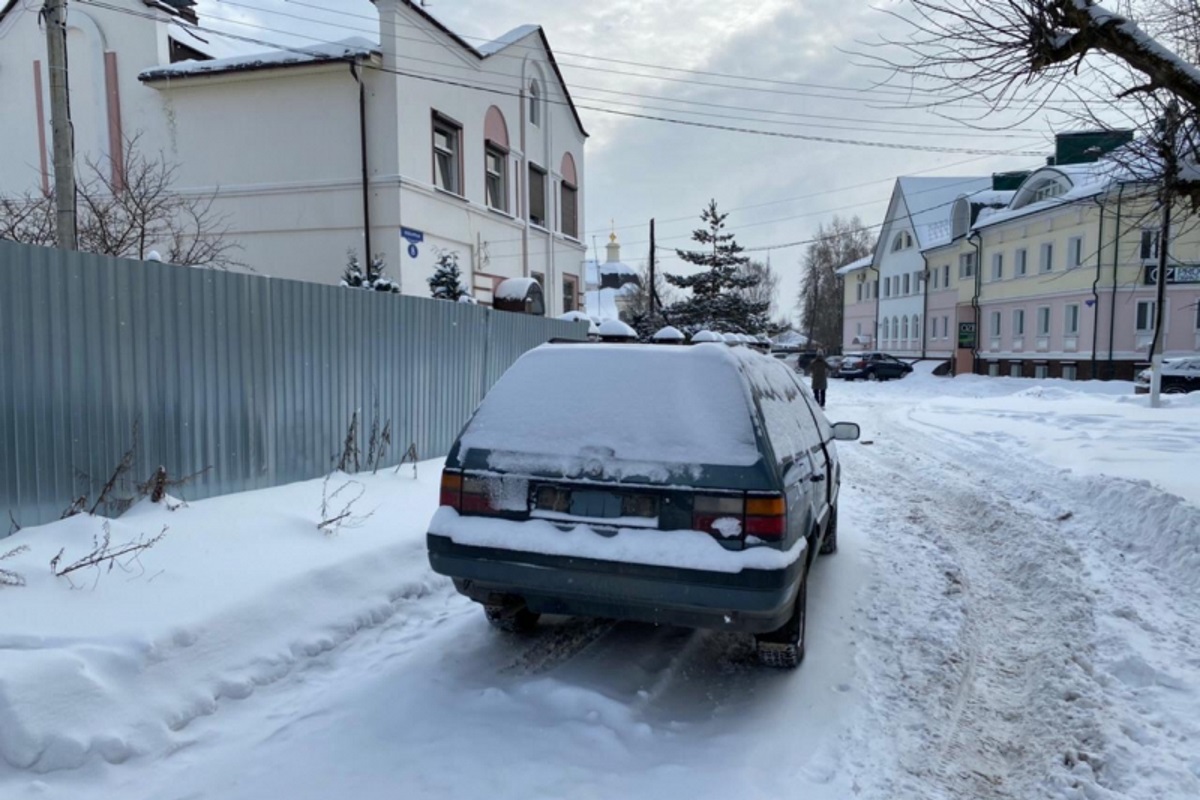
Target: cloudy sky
[[782, 66]]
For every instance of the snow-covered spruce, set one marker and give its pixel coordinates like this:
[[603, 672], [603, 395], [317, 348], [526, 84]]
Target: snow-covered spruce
[[446, 282], [372, 280]]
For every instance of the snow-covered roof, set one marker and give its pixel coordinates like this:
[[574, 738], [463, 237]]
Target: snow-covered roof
[[507, 40], [355, 47], [861, 263], [616, 328], [209, 42], [515, 288], [928, 201], [1080, 181]]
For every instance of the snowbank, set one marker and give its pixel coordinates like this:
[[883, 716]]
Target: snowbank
[[115, 663]]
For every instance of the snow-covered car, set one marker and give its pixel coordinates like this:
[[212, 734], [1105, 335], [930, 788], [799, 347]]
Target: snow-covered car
[[690, 486], [1179, 376]]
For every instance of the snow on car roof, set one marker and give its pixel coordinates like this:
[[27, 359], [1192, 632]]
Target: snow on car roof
[[622, 409]]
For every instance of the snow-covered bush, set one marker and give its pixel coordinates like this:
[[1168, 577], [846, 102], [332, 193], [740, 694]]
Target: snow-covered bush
[[372, 280]]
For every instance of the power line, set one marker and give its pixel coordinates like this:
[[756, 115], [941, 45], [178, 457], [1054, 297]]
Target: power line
[[616, 112]]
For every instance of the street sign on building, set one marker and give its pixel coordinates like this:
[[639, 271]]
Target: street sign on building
[[966, 335]]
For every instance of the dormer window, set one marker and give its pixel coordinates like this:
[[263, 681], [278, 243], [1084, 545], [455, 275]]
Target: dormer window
[[903, 241], [1046, 185]]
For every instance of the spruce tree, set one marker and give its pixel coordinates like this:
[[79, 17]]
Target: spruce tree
[[373, 280], [719, 300], [446, 283]]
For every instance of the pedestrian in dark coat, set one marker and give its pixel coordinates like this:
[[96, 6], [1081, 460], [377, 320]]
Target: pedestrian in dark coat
[[819, 370]]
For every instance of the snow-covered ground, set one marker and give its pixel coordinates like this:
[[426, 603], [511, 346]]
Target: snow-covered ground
[[1013, 613]]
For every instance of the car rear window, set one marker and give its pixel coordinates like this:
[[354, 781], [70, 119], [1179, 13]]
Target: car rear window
[[642, 404]]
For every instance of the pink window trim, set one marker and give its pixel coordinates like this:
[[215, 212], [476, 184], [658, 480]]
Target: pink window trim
[[568, 170]]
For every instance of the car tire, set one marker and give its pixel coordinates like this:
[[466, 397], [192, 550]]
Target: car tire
[[784, 648], [1174, 390], [829, 544], [513, 619], [872, 376]]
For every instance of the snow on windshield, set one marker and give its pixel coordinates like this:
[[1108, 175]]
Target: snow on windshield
[[628, 409]]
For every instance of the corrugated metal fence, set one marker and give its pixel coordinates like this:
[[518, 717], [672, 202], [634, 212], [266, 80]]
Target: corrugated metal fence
[[254, 377]]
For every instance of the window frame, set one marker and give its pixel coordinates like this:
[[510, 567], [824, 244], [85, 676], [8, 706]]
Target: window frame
[[997, 266], [1151, 304], [567, 189], [907, 284], [1018, 322], [966, 266], [570, 297], [1071, 313], [1075, 252], [493, 150], [535, 103], [545, 195], [1046, 318], [1045, 258], [1021, 262], [996, 318], [454, 129]]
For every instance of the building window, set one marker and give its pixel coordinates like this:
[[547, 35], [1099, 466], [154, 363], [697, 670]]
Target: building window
[[1149, 246], [903, 241], [935, 278], [1041, 371], [917, 333], [1070, 372], [966, 266], [1020, 262], [1018, 325], [1047, 261], [885, 333], [998, 266], [1071, 320], [887, 287], [1074, 252], [1147, 311], [896, 328], [918, 281], [859, 293], [1198, 315], [535, 103], [904, 328], [537, 195], [875, 289], [570, 293], [907, 284], [857, 329], [570, 210], [496, 167], [993, 369], [946, 326], [1014, 369], [996, 323], [946, 277], [447, 138], [1043, 321]]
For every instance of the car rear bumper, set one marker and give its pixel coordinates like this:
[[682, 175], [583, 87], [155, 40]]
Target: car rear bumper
[[752, 600]]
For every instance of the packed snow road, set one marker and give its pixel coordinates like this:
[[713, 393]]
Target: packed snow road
[[1009, 616]]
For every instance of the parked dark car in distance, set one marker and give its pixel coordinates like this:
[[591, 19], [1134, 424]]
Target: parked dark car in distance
[[872, 366], [704, 509], [1179, 376]]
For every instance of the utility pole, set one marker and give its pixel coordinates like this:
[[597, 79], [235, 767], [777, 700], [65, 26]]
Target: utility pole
[[654, 302], [1170, 175], [55, 15]]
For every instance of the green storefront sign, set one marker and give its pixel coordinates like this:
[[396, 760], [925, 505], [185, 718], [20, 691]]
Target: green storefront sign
[[966, 335]]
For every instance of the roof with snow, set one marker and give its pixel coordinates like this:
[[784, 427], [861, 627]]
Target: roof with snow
[[928, 202], [355, 48], [861, 263]]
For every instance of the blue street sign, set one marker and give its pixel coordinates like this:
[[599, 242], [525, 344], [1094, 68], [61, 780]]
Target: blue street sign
[[412, 236], [413, 251]]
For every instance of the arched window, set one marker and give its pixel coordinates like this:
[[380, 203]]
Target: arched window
[[569, 197], [904, 328], [917, 333], [903, 241], [535, 102], [885, 335], [495, 159], [896, 328]]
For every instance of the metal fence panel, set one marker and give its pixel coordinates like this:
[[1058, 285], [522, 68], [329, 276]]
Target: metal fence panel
[[255, 377]]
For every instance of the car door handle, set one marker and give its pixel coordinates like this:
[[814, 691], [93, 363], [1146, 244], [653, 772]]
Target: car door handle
[[817, 478]]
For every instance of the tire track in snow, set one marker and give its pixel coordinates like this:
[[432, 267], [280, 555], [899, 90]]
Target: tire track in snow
[[988, 684]]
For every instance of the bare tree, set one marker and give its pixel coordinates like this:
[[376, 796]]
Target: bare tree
[[820, 301], [766, 284], [128, 211]]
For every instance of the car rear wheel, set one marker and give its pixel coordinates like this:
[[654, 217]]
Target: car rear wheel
[[1174, 390], [872, 376], [784, 648], [829, 544], [514, 619]]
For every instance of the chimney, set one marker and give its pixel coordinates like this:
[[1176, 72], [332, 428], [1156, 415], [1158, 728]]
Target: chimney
[[390, 29]]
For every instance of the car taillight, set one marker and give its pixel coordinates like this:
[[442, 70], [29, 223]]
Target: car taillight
[[766, 517], [708, 511], [452, 489], [476, 499]]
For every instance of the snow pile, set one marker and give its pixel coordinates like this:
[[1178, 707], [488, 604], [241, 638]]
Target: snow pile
[[689, 405], [241, 591]]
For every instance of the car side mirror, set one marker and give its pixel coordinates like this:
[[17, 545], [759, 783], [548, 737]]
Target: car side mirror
[[846, 431]]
